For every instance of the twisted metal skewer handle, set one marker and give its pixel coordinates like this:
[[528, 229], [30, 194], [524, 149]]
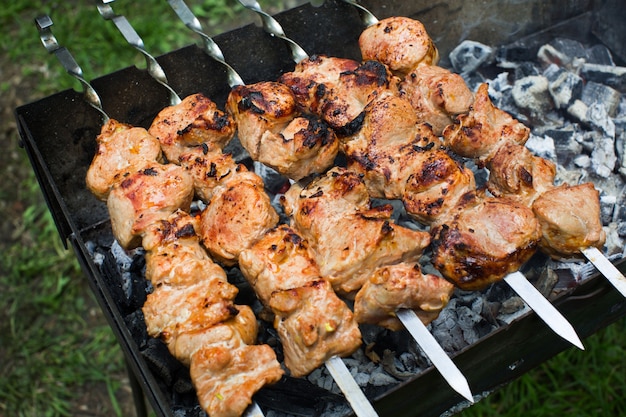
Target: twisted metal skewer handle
[[271, 26], [44, 24], [366, 16], [210, 47], [131, 36]]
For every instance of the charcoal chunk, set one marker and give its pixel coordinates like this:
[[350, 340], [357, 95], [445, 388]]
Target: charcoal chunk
[[594, 92], [565, 89], [469, 56], [600, 54], [612, 76]]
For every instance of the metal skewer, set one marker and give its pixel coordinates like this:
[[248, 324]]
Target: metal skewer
[[335, 365], [131, 36], [210, 47], [271, 26], [533, 298], [366, 16], [593, 255], [409, 319], [607, 268], [49, 41], [44, 24]]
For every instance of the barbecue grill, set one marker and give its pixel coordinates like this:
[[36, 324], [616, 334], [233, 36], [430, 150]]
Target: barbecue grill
[[58, 134]]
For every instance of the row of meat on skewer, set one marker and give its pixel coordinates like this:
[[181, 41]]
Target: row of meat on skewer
[[402, 124]]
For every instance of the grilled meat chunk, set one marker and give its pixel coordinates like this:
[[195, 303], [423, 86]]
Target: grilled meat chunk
[[313, 76], [349, 237], [312, 322], [226, 375], [209, 167], [570, 220], [238, 214], [437, 95], [397, 286], [483, 240], [400, 43], [479, 133], [196, 120], [337, 90], [272, 130], [192, 309], [514, 172], [121, 149], [401, 158], [145, 197]]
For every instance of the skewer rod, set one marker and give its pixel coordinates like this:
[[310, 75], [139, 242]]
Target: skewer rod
[[607, 269], [359, 402], [544, 309], [435, 353]]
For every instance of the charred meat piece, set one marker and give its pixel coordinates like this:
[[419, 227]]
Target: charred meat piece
[[337, 90], [313, 76], [398, 42], [196, 120], [401, 158], [349, 237], [397, 286], [145, 197], [437, 95], [238, 214], [479, 133], [312, 322], [121, 149], [483, 240], [272, 130], [516, 173], [209, 167], [570, 220]]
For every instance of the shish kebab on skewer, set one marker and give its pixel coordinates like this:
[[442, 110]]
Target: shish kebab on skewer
[[390, 291], [553, 222], [192, 305], [342, 324], [318, 90]]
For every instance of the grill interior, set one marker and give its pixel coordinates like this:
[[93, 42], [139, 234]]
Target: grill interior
[[58, 134]]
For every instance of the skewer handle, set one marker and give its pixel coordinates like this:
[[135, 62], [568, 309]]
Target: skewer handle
[[544, 309], [44, 24], [366, 16], [607, 269], [131, 36], [271, 26], [185, 14], [435, 353], [359, 402]]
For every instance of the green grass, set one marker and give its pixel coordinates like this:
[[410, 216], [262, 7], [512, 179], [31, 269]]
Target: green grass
[[50, 343]]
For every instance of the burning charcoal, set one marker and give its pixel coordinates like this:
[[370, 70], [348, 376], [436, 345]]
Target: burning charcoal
[[563, 52], [541, 146], [578, 111], [137, 327], [564, 87], [569, 47], [531, 94], [599, 54], [605, 74], [546, 281], [607, 208], [526, 69], [520, 51], [582, 161], [469, 55], [599, 93], [566, 146], [603, 158], [598, 117], [160, 361]]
